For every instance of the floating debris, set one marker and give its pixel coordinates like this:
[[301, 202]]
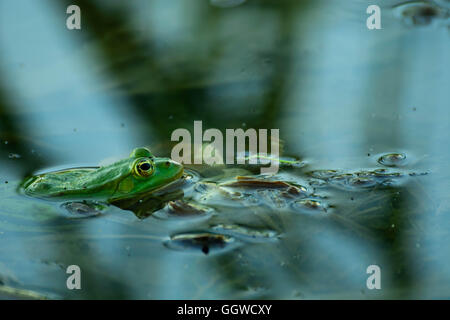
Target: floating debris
[[263, 159], [254, 183], [249, 192], [310, 206], [246, 233], [355, 181], [14, 156], [81, 210], [379, 173], [392, 159], [420, 13], [362, 182], [206, 242], [324, 174], [416, 174], [180, 208]]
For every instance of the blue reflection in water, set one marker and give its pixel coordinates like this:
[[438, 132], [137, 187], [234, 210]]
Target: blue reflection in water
[[55, 77], [340, 94]]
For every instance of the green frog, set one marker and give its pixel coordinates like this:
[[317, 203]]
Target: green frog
[[140, 173]]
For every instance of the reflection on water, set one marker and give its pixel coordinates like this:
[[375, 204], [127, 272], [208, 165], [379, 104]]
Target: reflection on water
[[226, 3], [365, 111], [421, 13]]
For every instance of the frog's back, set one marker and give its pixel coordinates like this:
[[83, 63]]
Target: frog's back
[[56, 183]]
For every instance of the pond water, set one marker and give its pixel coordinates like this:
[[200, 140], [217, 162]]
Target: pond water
[[341, 95]]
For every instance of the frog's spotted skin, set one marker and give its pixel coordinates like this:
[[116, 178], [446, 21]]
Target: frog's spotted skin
[[140, 173]]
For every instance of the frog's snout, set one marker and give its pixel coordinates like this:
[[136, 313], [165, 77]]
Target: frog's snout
[[178, 167]]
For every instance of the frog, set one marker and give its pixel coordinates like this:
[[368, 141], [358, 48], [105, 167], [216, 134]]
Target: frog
[[140, 173]]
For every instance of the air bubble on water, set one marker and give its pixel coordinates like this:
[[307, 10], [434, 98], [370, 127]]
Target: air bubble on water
[[392, 159], [14, 156]]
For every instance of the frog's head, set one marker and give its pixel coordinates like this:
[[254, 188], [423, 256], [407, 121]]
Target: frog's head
[[146, 173]]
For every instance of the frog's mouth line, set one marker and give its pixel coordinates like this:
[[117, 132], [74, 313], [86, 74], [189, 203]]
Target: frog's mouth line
[[170, 183]]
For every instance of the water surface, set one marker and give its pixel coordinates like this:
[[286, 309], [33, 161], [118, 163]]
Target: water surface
[[341, 95]]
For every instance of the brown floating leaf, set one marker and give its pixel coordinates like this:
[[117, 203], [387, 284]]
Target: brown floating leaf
[[204, 241], [182, 208], [249, 182]]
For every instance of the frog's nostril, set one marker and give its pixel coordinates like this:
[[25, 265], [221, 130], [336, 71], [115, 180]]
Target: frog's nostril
[[167, 163]]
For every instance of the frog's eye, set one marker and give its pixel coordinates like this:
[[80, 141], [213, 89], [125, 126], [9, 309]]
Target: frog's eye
[[144, 168]]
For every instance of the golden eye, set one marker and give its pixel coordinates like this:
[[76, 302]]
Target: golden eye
[[144, 168]]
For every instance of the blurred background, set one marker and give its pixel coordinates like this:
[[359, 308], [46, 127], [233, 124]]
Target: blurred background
[[340, 94]]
